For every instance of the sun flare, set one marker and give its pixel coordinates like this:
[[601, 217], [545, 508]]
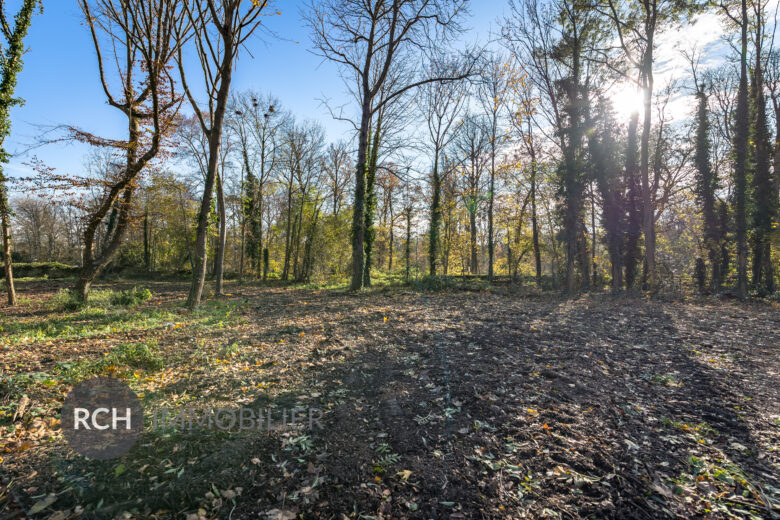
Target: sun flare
[[626, 99]]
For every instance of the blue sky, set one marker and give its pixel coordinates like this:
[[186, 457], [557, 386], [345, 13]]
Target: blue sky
[[60, 83]]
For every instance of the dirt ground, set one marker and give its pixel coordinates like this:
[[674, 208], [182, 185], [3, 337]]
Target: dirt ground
[[435, 405]]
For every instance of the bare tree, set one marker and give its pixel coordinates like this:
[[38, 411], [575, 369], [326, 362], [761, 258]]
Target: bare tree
[[441, 105], [144, 37], [472, 147], [338, 172], [220, 29], [367, 37], [493, 93]]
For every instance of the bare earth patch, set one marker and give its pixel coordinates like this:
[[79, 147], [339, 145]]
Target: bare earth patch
[[436, 405]]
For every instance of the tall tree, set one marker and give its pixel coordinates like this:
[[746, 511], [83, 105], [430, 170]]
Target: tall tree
[[764, 192], [368, 38], [604, 157], [220, 28], [256, 122], [637, 24], [338, 174], [440, 108], [493, 92], [472, 147], [144, 36], [633, 202], [740, 149], [706, 186], [10, 67], [553, 42]]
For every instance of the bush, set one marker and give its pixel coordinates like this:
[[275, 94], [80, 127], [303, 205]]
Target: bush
[[66, 300], [136, 355], [130, 297], [41, 269]]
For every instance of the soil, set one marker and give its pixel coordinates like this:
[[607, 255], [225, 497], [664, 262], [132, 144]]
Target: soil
[[444, 405]]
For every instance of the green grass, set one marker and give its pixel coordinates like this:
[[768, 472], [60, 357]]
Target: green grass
[[144, 356], [100, 317], [87, 322], [66, 299]]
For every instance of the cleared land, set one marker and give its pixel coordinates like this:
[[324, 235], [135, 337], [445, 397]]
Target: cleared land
[[436, 405]]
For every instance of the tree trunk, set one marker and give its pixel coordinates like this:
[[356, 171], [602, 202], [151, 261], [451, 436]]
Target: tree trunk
[[390, 252], [741, 138], [219, 266], [288, 237], [147, 245], [408, 246], [370, 207], [647, 208], [358, 215], [92, 267], [473, 242], [491, 197], [7, 260], [215, 141], [535, 224], [433, 243]]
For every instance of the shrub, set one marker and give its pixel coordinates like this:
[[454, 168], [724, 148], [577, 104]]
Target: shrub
[[130, 297], [136, 355], [66, 300]]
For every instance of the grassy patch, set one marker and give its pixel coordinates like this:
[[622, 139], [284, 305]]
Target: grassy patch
[[66, 300], [130, 297], [443, 283], [144, 356]]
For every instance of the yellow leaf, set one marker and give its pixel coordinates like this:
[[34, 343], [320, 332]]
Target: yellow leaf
[[532, 411], [405, 474]]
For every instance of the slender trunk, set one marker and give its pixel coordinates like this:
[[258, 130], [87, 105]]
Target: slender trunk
[[11, 66], [242, 227], [647, 208], [7, 261], [147, 250], [491, 197], [390, 252], [593, 235], [219, 266], [298, 231], [433, 243], [473, 242], [92, 263], [408, 246], [287, 237], [215, 140], [741, 138], [535, 224]]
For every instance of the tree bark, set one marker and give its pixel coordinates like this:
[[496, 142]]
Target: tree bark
[[433, 239], [7, 260], [648, 211], [358, 213], [491, 198], [473, 242], [219, 266], [215, 141]]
